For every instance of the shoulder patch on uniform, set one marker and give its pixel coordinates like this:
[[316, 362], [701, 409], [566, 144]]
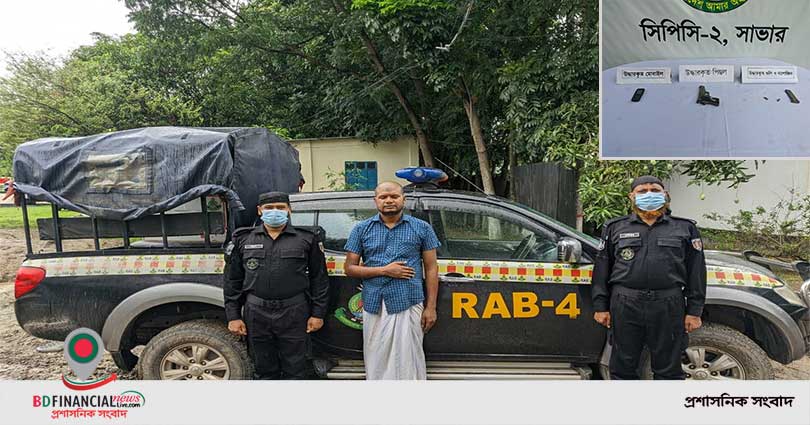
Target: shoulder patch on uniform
[[627, 254], [601, 245], [252, 264], [697, 244], [229, 248]]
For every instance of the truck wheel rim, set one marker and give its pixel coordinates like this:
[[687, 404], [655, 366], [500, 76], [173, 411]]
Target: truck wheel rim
[[194, 362], [710, 363]]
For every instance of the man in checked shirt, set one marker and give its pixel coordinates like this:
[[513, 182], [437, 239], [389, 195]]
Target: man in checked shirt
[[395, 249]]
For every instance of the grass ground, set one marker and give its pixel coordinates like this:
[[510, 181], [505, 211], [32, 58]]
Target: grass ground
[[11, 217]]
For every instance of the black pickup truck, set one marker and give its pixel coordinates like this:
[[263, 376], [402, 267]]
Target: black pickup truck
[[514, 296]]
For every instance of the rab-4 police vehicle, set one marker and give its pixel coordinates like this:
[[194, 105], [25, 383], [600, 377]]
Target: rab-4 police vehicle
[[514, 293]]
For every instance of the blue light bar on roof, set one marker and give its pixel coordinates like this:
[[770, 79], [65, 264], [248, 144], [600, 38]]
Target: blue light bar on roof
[[422, 175]]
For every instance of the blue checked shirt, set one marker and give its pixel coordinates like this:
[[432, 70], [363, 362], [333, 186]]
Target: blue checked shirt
[[379, 246]]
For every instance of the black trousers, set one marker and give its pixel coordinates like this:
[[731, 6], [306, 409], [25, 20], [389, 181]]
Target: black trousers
[[277, 338], [647, 317]]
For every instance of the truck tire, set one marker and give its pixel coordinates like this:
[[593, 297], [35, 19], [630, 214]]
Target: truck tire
[[744, 359], [198, 349]]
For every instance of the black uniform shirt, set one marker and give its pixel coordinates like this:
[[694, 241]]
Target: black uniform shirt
[[668, 254], [291, 264]]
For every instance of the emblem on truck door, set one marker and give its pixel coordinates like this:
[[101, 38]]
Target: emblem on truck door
[[353, 317]]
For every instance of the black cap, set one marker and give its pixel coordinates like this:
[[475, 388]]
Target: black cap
[[274, 197], [644, 180]]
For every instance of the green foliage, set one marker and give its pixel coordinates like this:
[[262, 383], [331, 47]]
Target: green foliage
[[338, 181], [92, 91], [718, 172], [315, 68], [11, 217], [781, 230], [387, 7], [568, 135]]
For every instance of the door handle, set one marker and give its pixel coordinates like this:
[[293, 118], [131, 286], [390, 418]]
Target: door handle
[[455, 278]]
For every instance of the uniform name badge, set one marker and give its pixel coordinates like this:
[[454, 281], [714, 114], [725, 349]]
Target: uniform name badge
[[252, 264], [627, 254]]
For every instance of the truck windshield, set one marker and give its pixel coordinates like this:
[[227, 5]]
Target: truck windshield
[[584, 236]]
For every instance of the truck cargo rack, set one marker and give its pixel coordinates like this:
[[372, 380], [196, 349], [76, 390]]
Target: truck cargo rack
[[59, 229]]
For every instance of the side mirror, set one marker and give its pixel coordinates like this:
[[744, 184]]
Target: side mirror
[[569, 250]]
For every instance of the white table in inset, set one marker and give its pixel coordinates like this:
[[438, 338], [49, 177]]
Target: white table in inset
[[752, 121]]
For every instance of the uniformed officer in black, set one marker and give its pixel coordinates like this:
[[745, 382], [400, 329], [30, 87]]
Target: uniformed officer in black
[[278, 273], [649, 283]]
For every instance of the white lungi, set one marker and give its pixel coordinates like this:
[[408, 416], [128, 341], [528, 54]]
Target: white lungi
[[392, 344]]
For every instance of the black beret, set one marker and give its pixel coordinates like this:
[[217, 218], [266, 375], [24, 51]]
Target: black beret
[[644, 180], [274, 197]]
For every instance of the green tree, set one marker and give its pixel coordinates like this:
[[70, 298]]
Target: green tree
[[482, 85], [317, 52], [90, 92]]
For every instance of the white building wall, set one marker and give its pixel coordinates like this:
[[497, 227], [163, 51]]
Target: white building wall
[[772, 183]]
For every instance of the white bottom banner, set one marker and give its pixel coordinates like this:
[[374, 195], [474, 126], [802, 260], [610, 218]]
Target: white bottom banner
[[388, 402]]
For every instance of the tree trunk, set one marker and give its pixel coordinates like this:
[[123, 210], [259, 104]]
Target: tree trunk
[[578, 201], [374, 55], [424, 119], [478, 139], [421, 136], [512, 166]]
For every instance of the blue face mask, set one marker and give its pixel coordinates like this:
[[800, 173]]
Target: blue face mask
[[650, 201], [275, 218]]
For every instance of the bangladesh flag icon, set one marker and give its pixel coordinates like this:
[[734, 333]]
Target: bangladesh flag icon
[[83, 352]]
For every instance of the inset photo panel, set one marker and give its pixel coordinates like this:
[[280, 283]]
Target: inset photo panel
[[705, 79]]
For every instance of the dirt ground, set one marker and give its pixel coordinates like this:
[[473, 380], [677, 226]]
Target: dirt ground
[[19, 360]]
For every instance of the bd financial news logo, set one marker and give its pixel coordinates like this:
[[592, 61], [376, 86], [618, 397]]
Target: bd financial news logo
[[715, 6], [83, 352]]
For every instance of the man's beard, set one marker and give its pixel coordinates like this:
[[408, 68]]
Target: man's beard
[[390, 213], [650, 215]]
